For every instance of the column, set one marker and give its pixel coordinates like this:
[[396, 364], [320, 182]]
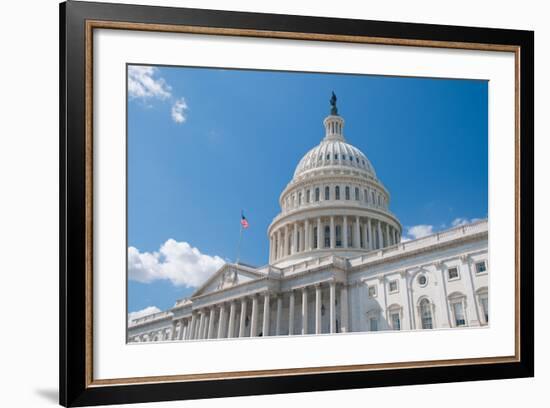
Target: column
[[285, 249], [211, 323], [406, 323], [304, 310], [279, 252], [466, 274], [279, 313], [291, 314], [181, 327], [254, 318], [332, 232], [344, 312], [307, 236], [302, 246], [201, 325], [388, 235], [345, 232], [371, 240], [295, 244], [191, 326], [332, 306], [232, 310], [365, 235], [396, 236], [271, 248], [221, 322], [242, 323], [380, 242], [319, 245], [318, 309], [174, 326], [265, 325], [357, 234]]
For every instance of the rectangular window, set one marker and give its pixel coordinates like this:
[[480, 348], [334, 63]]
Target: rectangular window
[[373, 323], [372, 291], [356, 194], [481, 267], [393, 286], [395, 321], [458, 311], [307, 196], [315, 245], [485, 307], [317, 194], [453, 273]]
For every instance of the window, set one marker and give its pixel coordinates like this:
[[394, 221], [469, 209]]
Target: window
[[379, 201], [327, 237], [317, 194], [356, 194], [299, 198], [481, 267], [395, 321], [307, 196], [347, 192], [373, 323], [484, 302], [327, 193], [338, 236], [328, 156], [372, 291], [426, 314], [372, 196], [343, 157], [393, 286], [458, 312], [452, 273], [365, 196], [357, 159], [315, 243], [335, 156], [422, 280], [337, 193]]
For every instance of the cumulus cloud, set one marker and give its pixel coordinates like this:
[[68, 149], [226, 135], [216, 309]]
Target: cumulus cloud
[[419, 231], [179, 109], [144, 83], [457, 222], [178, 262], [143, 312]]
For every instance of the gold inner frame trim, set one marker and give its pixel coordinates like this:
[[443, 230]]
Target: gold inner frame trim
[[118, 25]]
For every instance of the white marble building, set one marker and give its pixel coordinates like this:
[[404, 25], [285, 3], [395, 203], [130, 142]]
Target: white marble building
[[336, 264]]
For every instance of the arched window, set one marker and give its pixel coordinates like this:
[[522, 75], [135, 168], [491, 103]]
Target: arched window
[[327, 237], [338, 236], [426, 314], [356, 193], [337, 193], [317, 194], [347, 192], [327, 193]]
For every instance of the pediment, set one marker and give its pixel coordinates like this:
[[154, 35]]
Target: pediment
[[227, 276]]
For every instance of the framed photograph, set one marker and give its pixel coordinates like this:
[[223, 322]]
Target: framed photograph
[[257, 204]]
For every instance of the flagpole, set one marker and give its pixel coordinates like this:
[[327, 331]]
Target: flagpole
[[239, 245]]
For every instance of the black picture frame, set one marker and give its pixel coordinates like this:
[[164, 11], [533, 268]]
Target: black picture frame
[[76, 389]]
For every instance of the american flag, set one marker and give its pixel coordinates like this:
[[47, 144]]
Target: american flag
[[244, 222]]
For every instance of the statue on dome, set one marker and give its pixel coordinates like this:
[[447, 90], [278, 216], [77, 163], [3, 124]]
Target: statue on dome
[[333, 108]]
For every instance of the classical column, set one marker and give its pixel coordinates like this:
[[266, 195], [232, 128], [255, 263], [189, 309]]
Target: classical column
[[191, 329], [344, 312], [345, 232], [443, 296], [265, 325], [285, 249], [406, 324], [174, 326], [357, 234], [232, 310], [221, 322], [201, 325], [388, 235], [304, 310], [365, 235], [332, 232], [302, 246], [291, 314], [307, 236], [318, 309], [271, 240], [181, 327], [371, 240], [254, 318], [319, 245], [295, 243], [279, 313], [279, 251], [396, 237], [242, 323], [210, 334], [380, 242], [332, 306], [466, 273]]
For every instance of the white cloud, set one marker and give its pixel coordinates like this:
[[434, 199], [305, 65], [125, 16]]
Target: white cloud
[[419, 231], [144, 83], [178, 262], [179, 109], [463, 221], [143, 312]]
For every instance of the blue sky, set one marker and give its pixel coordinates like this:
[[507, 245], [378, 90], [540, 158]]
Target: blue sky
[[205, 143]]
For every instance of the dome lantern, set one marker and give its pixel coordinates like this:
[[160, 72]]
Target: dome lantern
[[334, 123]]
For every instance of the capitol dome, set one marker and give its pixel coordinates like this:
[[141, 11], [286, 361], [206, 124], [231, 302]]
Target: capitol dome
[[334, 203]]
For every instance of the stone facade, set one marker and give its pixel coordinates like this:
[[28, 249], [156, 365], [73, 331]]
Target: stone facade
[[336, 264]]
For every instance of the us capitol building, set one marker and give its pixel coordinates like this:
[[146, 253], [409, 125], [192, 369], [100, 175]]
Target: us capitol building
[[336, 264]]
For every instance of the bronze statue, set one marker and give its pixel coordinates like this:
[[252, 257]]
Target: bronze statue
[[333, 108]]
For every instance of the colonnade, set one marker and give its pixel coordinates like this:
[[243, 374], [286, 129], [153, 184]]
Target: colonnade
[[343, 231]]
